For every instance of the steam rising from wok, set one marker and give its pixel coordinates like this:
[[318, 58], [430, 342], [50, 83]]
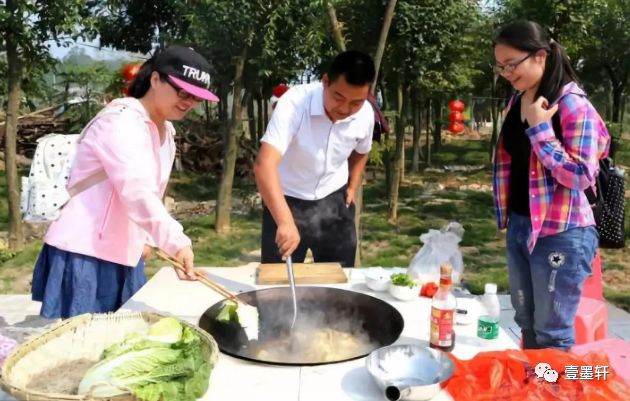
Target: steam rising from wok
[[333, 325]]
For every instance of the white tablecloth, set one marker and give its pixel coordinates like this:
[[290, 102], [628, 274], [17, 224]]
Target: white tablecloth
[[236, 379]]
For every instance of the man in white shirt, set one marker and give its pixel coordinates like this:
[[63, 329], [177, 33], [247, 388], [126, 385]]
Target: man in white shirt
[[310, 164]]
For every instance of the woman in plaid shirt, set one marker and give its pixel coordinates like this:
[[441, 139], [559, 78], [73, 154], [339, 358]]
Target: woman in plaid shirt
[[539, 183]]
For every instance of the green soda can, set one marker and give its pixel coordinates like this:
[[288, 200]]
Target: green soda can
[[488, 327]]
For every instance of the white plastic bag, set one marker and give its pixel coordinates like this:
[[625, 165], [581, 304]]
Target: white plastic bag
[[440, 246]]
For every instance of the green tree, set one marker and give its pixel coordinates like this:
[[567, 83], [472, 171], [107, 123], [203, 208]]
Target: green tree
[[566, 20], [26, 27], [608, 49], [433, 52], [249, 44], [138, 25]]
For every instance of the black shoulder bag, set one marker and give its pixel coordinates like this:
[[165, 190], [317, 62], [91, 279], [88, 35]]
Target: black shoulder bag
[[609, 202]]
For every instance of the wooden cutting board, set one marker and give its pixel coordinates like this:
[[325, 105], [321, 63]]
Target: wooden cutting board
[[304, 273]]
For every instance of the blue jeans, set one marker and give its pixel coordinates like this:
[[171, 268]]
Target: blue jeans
[[546, 285]]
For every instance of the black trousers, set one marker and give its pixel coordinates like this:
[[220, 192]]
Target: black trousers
[[326, 227]]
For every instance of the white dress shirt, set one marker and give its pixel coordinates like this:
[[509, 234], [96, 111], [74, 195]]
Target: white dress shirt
[[315, 150]]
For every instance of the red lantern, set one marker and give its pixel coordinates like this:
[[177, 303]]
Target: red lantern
[[456, 128], [456, 105], [129, 71], [279, 90], [456, 117]]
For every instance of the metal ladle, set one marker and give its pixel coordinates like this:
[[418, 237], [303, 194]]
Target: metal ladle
[[292, 284]]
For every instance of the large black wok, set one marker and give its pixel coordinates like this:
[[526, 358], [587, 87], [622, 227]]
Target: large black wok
[[374, 321]]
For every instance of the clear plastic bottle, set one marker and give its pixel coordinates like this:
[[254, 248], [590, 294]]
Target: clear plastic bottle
[[488, 324], [443, 306]]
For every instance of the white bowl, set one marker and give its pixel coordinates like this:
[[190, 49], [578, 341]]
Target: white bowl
[[377, 278], [404, 293]]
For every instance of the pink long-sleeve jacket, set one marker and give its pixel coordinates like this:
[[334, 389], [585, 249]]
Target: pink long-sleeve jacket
[[113, 220]]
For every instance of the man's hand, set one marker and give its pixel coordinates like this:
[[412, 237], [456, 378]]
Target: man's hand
[[186, 257], [350, 192], [287, 239], [537, 112]]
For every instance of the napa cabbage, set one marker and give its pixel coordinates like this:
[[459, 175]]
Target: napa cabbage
[[166, 364]]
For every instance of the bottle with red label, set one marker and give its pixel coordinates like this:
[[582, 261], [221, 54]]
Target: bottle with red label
[[443, 307]]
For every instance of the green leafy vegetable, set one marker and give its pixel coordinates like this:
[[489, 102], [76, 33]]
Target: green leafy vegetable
[[228, 312], [152, 370], [402, 280]]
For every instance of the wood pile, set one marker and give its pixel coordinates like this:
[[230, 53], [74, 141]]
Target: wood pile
[[33, 126], [200, 146], [200, 149]]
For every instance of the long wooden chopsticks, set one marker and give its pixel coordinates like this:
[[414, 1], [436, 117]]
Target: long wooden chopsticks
[[200, 276]]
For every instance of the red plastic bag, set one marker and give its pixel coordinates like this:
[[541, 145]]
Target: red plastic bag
[[513, 375]]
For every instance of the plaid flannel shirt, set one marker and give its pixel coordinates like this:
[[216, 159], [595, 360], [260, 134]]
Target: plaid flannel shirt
[[559, 173]]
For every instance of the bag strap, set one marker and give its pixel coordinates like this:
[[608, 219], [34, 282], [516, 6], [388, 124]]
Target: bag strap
[[591, 196], [87, 183], [100, 175]]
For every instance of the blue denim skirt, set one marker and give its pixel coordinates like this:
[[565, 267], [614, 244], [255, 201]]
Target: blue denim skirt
[[69, 284]]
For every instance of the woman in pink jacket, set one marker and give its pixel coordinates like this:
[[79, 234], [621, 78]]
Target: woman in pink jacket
[[92, 258]]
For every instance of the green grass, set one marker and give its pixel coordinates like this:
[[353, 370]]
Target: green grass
[[213, 249], [423, 206], [619, 298]]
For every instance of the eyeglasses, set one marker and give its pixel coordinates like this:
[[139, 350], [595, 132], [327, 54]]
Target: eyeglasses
[[509, 67], [182, 94]]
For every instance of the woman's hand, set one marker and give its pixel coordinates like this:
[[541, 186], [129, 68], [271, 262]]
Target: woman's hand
[[186, 257], [537, 112], [147, 252]]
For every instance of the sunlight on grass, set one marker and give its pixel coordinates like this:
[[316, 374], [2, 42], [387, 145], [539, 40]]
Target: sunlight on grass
[[428, 200], [213, 249]]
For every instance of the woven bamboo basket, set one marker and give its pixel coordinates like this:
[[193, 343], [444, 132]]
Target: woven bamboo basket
[[80, 337]]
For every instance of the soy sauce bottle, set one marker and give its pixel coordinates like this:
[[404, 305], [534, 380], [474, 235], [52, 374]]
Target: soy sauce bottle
[[443, 307]]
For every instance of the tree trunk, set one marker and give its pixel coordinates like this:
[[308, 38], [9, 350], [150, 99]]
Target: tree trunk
[[617, 85], [417, 129], [437, 127], [392, 214], [335, 26], [494, 114], [223, 115], [382, 39], [623, 114], [14, 72], [358, 205], [384, 94], [259, 119], [428, 132], [206, 112], [251, 120], [265, 113], [223, 103], [224, 201], [471, 108], [617, 92]]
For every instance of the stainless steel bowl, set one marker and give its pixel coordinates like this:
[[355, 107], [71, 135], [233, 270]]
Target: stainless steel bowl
[[409, 372]]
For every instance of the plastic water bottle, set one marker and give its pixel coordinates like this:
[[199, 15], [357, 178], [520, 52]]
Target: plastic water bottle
[[488, 324]]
